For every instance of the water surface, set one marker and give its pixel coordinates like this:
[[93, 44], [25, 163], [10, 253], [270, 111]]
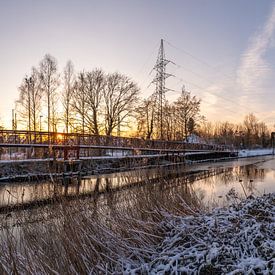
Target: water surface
[[210, 182]]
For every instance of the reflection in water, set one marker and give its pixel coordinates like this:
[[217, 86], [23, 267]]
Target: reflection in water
[[245, 180], [210, 186], [125, 221], [23, 193]]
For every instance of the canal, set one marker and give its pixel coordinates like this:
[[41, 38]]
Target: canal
[[210, 183]]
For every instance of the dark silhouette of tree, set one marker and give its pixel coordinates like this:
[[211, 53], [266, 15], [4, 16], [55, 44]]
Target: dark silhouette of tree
[[67, 94], [146, 117], [49, 82], [95, 86], [120, 99], [29, 104], [191, 125], [79, 102], [187, 107]]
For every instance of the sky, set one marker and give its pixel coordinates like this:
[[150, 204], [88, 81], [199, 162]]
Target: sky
[[223, 50]]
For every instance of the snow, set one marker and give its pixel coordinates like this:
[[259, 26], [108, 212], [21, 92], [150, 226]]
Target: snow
[[239, 239], [235, 240], [256, 152], [21, 157], [6, 161], [195, 139]]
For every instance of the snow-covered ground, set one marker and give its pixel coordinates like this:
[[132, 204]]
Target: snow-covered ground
[[120, 154], [256, 152], [239, 239], [235, 240]]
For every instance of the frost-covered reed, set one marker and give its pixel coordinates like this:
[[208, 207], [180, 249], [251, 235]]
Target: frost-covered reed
[[155, 230], [92, 235]]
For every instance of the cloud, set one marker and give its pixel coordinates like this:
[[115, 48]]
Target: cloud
[[254, 70]]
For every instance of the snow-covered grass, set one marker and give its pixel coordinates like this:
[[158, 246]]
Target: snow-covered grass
[[146, 234], [237, 240]]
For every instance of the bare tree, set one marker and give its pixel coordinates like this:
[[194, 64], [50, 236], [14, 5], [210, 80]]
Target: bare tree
[[23, 104], [29, 103], [264, 134], [49, 80], [251, 129], [67, 95], [206, 129], [225, 132], [168, 121], [187, 107], [146, 117], [95, 85], [79, 102], [120, 98]]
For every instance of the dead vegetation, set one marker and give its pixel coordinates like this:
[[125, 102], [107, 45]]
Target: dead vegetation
[[94, 235], [154, 228]]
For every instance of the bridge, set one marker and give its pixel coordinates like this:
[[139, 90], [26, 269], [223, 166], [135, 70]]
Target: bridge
[[19, 144]]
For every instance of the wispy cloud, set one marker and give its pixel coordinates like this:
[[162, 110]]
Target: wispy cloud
[[254, 69], [254, 78]]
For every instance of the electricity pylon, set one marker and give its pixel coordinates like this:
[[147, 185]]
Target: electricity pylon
[[159, 81]]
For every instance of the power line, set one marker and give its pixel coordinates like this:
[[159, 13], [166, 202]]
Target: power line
[[224, 98], [147, 60], [208, 65], [205, 101], [189, 54], [217, 95], [160, 101], [156, 79], [197, 59]]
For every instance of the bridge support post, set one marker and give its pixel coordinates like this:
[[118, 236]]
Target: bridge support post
[[77, 152], [65, 153]]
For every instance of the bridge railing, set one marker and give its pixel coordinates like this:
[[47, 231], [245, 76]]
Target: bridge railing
[[76, 139]]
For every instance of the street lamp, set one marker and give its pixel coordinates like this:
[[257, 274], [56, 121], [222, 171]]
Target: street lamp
[[40, 123]]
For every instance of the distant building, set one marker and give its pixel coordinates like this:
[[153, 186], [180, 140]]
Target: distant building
[[195, 139]]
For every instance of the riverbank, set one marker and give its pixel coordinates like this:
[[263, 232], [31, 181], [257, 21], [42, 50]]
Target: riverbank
[[40, 169], [237, 240], [211, 182], [79, 237], [32, 170]]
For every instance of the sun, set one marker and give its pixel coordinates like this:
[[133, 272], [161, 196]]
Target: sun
[[59, 136]]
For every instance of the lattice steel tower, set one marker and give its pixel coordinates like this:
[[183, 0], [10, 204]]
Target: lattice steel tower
[[159, 80]]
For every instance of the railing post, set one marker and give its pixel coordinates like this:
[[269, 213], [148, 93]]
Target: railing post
[[78, 147]]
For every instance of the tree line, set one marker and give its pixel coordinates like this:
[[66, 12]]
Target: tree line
[[100, 103], [251, 133], [180, 118], [88, 102], [97, 103]]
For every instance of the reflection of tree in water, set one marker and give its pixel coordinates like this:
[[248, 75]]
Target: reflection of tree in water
[[163, 182], [206, 188], [227, 177], [160, 186], [250, 172], [224, 176], [141, 200], [248, 176], [142, 196]]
